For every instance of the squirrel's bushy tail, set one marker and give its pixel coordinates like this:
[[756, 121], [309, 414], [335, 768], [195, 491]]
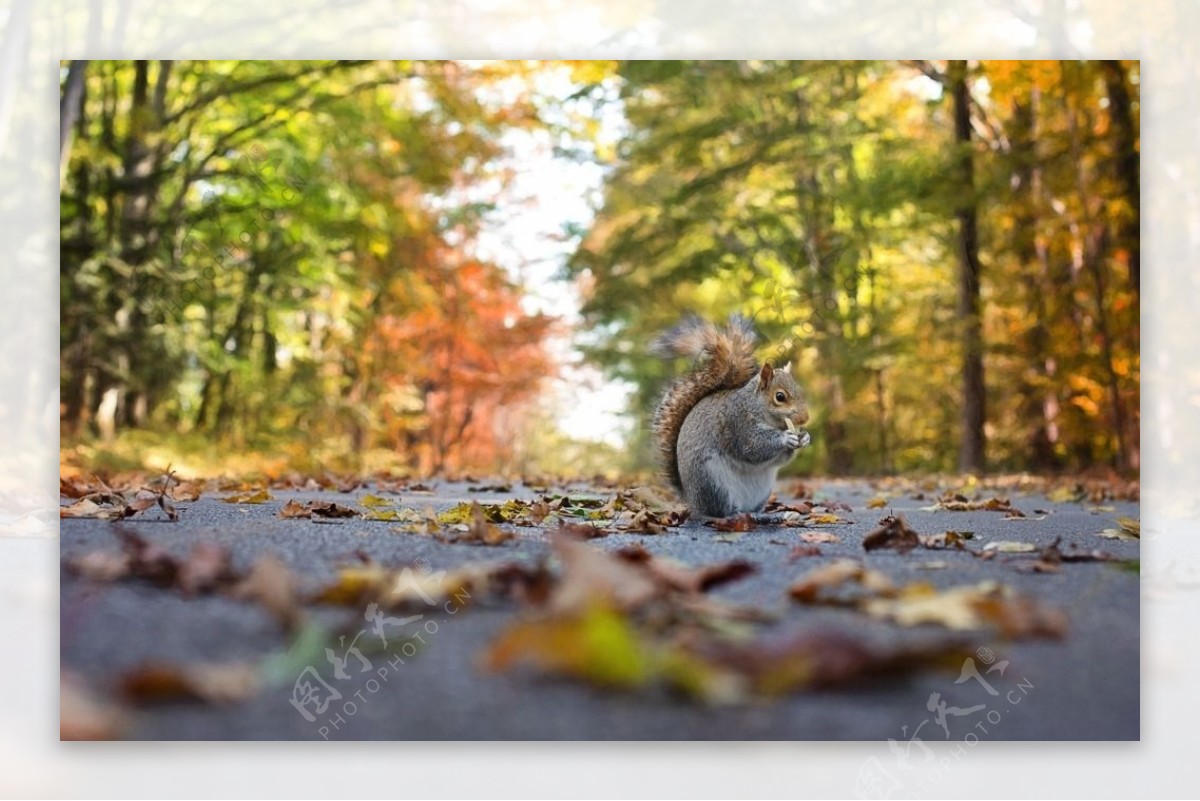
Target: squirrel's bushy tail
[[726, 361]]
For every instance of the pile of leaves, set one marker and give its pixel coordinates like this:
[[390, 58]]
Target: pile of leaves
[[988, 605], [630, 620], [95, 498]]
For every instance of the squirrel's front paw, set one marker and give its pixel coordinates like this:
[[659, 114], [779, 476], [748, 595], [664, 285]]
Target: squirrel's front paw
[[791, 439]]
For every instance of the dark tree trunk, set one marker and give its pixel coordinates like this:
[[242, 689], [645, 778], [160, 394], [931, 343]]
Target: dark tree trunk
[[971, 447], [1127, 167]]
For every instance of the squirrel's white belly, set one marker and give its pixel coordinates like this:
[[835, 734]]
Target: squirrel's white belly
[[748, 486]]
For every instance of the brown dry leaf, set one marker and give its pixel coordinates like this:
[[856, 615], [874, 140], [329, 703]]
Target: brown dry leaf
[[946, 540], [877, 503], [823, 659], [953, 502], [187, 491], [978, 606], [149, 561], [581, 531], [331, 509], [813, 586], [825, 520], [100, 565], [803, 508], [1052, 555], [73, 487], [295, 509], [680, 577], [819, 536], [271, 584], [206, 567], [593, 577], [744, 522], [484, 532], [892, 533], [83, 715], [213, 683], [98, 505], [643, 522], [802, 552]]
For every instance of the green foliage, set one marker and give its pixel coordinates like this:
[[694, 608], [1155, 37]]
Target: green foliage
[[818, 198]]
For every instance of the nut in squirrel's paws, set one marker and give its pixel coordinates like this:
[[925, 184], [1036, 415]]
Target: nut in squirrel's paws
[[797, 438]]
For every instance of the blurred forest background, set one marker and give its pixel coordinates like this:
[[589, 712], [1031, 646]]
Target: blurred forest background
[[281, 264]]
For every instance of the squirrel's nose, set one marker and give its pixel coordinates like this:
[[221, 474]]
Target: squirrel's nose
[[801, 418]]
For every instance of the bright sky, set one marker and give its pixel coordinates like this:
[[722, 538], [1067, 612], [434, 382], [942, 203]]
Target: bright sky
[[526, 237]]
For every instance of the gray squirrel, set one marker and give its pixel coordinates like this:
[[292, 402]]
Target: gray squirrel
[[725, 428]]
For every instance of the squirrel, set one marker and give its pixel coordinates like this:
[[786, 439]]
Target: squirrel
[[725, 428]]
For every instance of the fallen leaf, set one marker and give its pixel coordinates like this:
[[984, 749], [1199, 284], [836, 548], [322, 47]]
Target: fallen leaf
[[802, 552], [331, 509], [1067, 494], [945, 540], [595, 644], [741, 523], [819, 536], [814, 586], [374, 501], [259, 496], [484, 532], [592, 577], [295, 509], [1009, 546], [1134, 527], [680, 577], [100, 565], [581, 531], [877, 503], [213, 683], [979, 606], [84, 715], [825, 520], [271, 584], [893, 533], [102, 506], [206, 567]]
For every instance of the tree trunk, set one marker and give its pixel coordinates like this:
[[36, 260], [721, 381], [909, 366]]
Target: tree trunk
[[1035, 406], [69, 109], [971, 446], [1127, 167]]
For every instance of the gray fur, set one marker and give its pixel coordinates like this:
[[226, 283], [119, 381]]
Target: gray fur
[[729, 456]]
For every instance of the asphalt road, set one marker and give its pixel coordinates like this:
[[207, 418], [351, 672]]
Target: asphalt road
[[1084, 686]]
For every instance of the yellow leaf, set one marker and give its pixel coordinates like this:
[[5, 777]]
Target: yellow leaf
[[262, 496], [374, 501]]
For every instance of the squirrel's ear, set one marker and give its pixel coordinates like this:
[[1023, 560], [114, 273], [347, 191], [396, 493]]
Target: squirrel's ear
[[765, 375], [787, 368]]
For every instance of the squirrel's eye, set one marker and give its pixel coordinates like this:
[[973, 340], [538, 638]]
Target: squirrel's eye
[[780, 397]]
